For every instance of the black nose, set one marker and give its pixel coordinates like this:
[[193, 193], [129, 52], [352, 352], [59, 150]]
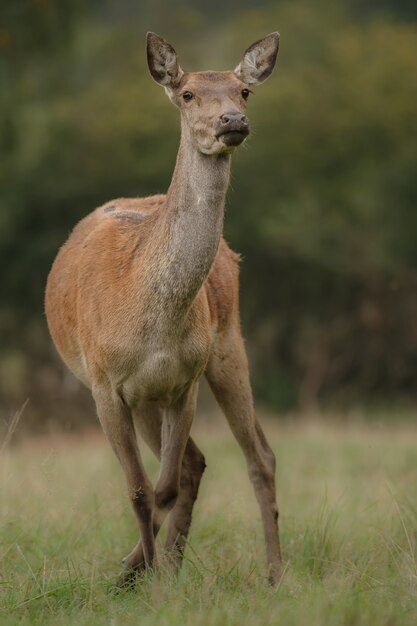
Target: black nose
[[230, 118], [233, 128]]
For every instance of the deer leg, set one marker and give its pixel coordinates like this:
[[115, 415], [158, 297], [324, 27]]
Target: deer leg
[[193, 467], [176, 425], [149, 425], [148, 422], [116, 420], [228, 376]]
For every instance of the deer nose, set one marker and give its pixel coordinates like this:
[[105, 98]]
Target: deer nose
[[229, 118], [233, 128]]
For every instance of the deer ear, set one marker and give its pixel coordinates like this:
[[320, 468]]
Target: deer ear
[[162, 61], [258, 60]]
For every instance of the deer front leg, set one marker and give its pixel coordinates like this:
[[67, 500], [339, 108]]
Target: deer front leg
[[193, 466], [176, 425], [228, 377], [154, 426], [148, 424], [117, 424]]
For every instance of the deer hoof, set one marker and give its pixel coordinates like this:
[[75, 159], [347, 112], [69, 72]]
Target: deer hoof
[[127, 579]]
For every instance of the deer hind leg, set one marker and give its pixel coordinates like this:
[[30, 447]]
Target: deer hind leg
[[228, 377], [149, 425], [116, 420]]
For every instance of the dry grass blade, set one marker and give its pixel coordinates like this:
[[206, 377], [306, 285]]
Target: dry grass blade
[[13, 425], [350, 555]]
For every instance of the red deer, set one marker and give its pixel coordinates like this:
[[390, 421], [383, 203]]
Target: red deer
[[142, 300]]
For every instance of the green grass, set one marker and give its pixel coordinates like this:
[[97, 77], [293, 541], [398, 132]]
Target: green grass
[[348, 500]]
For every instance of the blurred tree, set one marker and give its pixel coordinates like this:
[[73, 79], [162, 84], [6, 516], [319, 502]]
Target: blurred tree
[[323, 203]]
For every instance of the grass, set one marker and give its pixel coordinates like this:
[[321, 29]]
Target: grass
[[348, 497]]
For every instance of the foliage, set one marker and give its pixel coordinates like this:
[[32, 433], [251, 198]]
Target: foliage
[[322, 204]]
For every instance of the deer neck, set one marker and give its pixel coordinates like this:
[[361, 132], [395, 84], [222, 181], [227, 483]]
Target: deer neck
[[190, 227]]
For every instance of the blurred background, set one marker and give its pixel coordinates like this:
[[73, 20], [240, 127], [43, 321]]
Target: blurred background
[[322, 204]]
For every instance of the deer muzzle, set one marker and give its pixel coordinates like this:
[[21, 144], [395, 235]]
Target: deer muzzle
[[233, 128]]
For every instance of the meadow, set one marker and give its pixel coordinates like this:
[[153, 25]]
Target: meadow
[[348, 498]]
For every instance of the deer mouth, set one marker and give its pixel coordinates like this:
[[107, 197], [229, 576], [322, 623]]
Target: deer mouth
[[233, 137]]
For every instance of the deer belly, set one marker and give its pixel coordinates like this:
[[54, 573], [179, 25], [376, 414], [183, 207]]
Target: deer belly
[[161, 377]]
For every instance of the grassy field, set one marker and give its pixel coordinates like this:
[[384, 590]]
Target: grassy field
[[348, 500]]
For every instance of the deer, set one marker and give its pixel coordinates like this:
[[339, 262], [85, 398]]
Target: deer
[[142, 301]]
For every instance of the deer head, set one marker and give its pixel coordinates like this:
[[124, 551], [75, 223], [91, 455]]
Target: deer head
[[212, 104]]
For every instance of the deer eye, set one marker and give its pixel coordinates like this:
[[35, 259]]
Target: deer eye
[[245, 94], [187, 96]]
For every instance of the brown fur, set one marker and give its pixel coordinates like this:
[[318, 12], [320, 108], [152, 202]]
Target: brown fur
[[104, 245], [142, 300]]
